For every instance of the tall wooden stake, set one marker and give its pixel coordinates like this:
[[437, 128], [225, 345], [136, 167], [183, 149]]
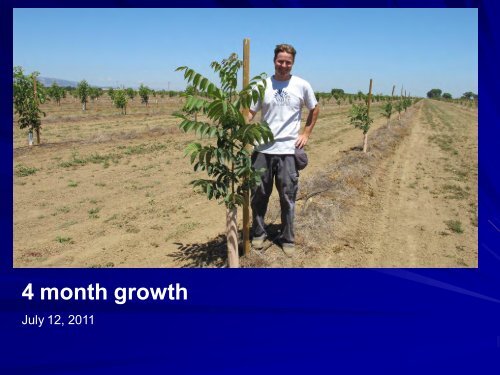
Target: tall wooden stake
[[246, 204], [392, 98], [365, 139]]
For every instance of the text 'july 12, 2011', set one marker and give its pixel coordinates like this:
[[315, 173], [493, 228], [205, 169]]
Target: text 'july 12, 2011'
[[96, 292]]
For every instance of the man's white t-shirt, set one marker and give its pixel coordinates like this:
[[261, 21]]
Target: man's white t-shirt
[[282, 110]]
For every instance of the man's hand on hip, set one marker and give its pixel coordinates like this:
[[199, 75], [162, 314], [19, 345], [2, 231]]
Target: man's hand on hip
[[302, 140]]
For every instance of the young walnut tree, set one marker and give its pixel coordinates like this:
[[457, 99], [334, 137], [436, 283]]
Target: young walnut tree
[[360, 119], [387, 112], [120, 100], [399, 109], [83, 91], [27, 99], [144, 92], [225, 160]]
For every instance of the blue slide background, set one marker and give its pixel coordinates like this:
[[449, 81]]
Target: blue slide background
[[258, 320]]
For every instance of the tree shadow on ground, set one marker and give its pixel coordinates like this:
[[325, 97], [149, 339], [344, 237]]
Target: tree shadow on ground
[[355, 148], [212, 254]]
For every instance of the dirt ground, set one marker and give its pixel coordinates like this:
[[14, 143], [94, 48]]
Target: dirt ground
[[107, 190]]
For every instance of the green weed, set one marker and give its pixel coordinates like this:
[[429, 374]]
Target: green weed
[[64, 239], [22, 170], [93, 213], [454, 225]]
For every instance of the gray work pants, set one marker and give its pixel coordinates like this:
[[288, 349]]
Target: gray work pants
[[280, 168]]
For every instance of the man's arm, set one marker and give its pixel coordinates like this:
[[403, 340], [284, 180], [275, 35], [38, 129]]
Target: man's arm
[[311, 121]]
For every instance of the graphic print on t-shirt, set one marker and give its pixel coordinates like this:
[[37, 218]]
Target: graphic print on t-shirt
[[281, 97]]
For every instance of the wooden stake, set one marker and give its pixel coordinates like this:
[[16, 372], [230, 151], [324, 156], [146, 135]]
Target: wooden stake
[[246, 204], [365, 138], [392, 98]]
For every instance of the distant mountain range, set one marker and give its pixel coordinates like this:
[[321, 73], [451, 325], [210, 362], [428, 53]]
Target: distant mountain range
[[47, 82], [61, 82]]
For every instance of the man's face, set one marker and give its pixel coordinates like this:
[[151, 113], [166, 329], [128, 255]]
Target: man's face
[[283, 64]]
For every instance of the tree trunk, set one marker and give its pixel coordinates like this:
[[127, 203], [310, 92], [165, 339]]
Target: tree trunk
[[84, 106], [37, 136], [365, 142], [233, 257], [246, 223], [388, 122]]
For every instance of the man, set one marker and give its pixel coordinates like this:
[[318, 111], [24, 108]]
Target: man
[[281, 108]]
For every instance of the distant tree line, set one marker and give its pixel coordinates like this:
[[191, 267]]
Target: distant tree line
[[341, 97], [438, 94]]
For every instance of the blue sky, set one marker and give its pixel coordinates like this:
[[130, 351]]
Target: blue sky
[[419, 49]]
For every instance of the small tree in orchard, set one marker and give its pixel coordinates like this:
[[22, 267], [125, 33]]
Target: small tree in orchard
[[120, 100], [144, 94], [27, 99], [360, 95], [56, 93], [337, 92], [388, 108], [83, 92], [387, 112], [226, 160], [155, 96], [338, 95], [361, 120], [95, 93], [190, 91], [399, 108], [406, 103], [130, 93], [111, 93]]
